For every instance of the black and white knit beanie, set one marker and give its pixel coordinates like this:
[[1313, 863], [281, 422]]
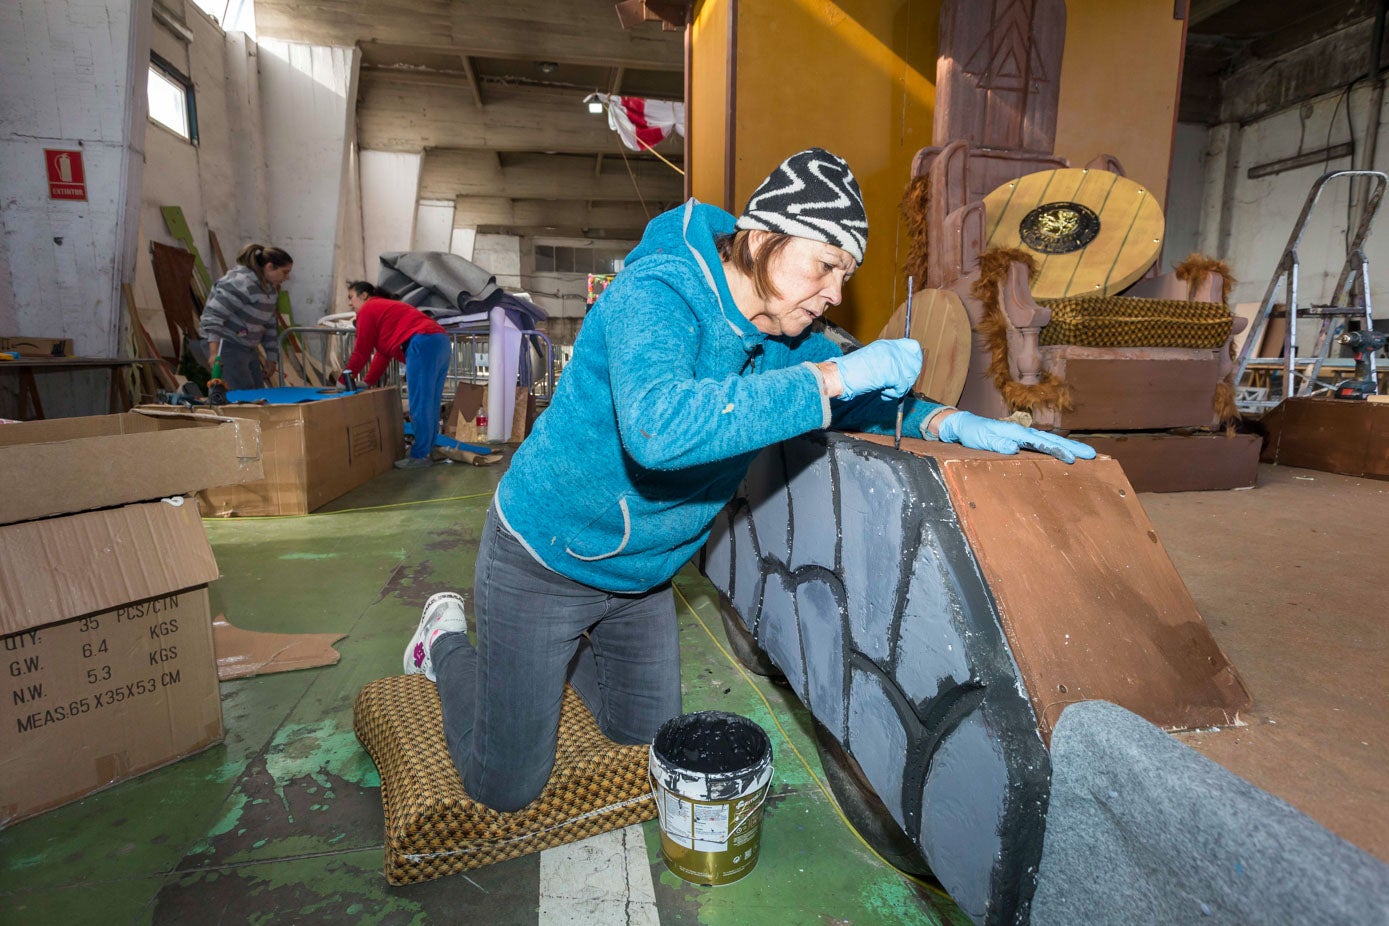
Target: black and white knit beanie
[[812, 195]]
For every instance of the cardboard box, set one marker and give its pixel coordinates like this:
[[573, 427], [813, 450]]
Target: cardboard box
[[469, 399], [76, 464], [313, 452], [107, 639], [38, 347]]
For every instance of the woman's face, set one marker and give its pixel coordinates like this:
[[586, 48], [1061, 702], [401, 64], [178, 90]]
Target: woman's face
[[355, 299], [810, 275], [278, 275]]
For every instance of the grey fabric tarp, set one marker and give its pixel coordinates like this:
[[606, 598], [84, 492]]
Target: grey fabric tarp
[[435, 280]]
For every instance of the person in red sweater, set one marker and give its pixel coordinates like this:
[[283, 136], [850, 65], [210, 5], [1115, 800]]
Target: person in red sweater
[[387, 330]]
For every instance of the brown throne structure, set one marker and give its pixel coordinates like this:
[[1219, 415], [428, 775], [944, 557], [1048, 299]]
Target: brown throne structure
[[1154, 364]]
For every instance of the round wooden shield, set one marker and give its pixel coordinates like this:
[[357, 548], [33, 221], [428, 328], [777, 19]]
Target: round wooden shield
[[1092, 232], [941, 325]]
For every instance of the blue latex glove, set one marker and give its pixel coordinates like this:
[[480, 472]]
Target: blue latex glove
[[889, 367], [1009, 437]]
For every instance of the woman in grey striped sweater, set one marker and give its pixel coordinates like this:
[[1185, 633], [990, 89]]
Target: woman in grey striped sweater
[[240, 315]]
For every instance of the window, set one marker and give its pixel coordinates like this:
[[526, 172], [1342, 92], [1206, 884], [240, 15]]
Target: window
[[585, 260], [171, 99]]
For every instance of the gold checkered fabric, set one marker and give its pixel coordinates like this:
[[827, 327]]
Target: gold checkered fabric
[[434, 829], [1127, 321]]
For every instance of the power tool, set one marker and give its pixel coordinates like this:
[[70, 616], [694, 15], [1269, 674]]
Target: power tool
[[216, 386], [1364, 343]]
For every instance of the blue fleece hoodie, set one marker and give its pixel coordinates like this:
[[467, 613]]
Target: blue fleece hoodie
[[669, 396]]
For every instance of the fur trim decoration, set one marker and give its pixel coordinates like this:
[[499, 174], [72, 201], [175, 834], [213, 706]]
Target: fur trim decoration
[[1049, 391], [1197, 267], [913, 209]]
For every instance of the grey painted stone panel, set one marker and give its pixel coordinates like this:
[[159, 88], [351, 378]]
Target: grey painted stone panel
[[962, 812], [821, 614], [877, 738], [931, 638], [747, 570], [872, 507], [717, 554], [812, 493], [780, 633], [899, 652], [764, 487]]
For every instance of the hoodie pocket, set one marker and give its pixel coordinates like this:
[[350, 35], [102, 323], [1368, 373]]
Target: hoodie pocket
[[603, 527]]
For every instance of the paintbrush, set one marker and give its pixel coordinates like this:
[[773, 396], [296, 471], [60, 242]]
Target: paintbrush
[[902, 402]]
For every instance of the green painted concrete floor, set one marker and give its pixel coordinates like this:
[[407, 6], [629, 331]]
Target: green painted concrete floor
[[282, 822]]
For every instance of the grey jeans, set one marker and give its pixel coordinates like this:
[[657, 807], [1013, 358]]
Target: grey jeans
[[536, 629], [241, 367]]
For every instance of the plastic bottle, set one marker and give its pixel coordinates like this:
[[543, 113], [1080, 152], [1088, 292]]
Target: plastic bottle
[[481, 420]]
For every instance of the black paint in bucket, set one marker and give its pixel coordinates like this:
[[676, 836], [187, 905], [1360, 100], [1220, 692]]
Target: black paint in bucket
[[711, 742], [710, 774]]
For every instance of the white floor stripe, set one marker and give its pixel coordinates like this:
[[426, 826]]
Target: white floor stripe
[[604, 880]]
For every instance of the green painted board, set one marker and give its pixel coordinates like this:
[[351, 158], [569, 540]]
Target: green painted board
[[178, 227]]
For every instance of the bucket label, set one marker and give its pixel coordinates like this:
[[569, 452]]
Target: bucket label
[[702, 827]]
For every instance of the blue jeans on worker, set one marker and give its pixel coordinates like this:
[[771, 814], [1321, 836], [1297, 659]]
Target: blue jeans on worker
[[426, 365], [535, 630]]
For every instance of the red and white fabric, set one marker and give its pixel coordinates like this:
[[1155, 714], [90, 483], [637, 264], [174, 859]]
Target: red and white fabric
[[643, 123]]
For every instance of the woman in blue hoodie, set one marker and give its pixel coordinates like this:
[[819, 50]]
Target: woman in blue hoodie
[[702, 351]]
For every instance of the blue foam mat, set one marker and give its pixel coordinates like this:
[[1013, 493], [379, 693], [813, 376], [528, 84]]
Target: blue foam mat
[[286, 395]]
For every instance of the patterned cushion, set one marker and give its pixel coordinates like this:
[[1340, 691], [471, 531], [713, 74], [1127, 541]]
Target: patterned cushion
[[1127, 321], [433, 828]]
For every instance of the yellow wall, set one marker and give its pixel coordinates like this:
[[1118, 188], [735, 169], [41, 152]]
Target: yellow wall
[[855, 77], [708, 107], [1120, 75], [858, 77]]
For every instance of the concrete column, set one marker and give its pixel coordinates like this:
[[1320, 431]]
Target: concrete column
[[72, 77], [463, 242], [308, 97], [390, 185], [433, 225]]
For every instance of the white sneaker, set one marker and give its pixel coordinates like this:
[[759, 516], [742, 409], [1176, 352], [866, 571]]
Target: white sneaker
[[443, 613]]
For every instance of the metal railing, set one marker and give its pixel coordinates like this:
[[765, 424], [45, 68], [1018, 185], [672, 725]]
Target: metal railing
[[317, 354]]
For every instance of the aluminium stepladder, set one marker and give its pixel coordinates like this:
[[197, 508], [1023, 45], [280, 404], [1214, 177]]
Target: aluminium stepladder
[[1349, 299]]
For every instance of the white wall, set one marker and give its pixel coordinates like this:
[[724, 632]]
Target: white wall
[[390, 185], [308, 99], [220, 181], [72, 76], [1247, 222], [433, 225], [499, 255]]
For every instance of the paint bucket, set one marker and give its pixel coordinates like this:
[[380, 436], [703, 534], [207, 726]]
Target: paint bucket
[[710, 772]]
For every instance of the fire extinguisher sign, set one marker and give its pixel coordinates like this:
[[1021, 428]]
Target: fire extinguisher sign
[[66, 177]]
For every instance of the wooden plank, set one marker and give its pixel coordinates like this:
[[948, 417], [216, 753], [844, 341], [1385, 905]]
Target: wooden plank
[[145, 344], [220, 267], [178, 227], [173, 276], [1134, 394], [1182, 462], [941, 325], [1332, 435]]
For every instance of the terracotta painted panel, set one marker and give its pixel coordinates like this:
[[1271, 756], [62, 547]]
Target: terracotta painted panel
[[1092, 605]]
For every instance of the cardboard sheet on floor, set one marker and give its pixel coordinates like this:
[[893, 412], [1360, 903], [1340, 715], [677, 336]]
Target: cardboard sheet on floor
[[243, 653]]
